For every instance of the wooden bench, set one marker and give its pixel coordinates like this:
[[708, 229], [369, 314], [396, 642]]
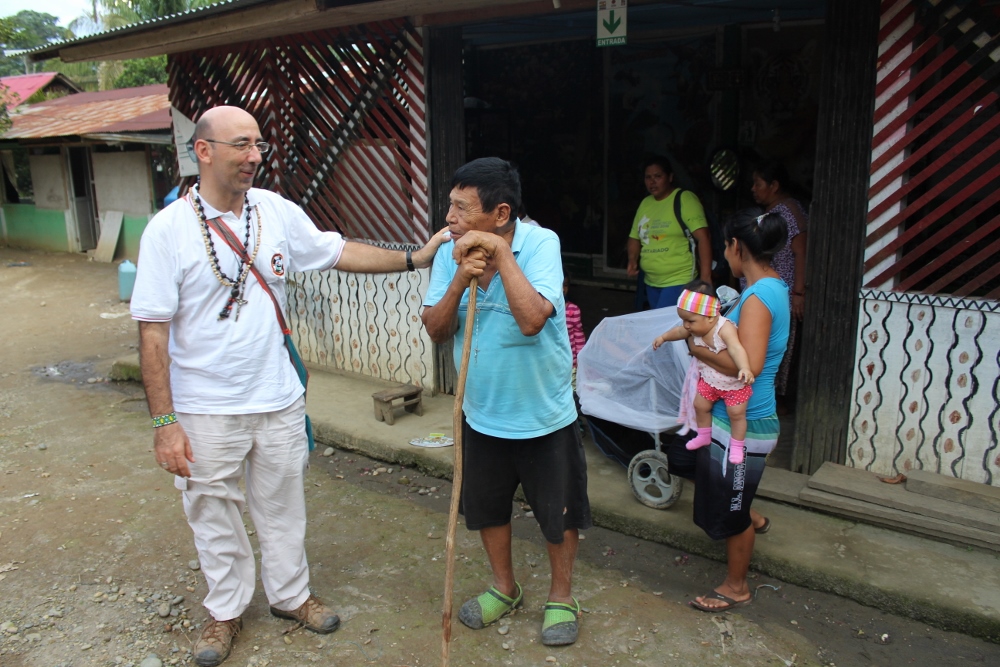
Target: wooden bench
[[384, 402]]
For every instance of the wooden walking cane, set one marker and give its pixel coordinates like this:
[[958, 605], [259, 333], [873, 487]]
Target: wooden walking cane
[[456, 487]]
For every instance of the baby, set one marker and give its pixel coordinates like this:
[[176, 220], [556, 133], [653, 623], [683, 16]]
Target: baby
[[698, 308]]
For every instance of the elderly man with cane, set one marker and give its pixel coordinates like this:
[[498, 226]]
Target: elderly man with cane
[[519, 423], [223, 393]]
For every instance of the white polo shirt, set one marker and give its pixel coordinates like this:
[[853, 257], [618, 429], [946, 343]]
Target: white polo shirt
[[227, 366]]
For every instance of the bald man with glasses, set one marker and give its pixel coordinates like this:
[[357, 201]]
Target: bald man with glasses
[[225, 401]]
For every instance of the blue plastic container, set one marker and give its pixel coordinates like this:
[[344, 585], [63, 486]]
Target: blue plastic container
[[126, 280]]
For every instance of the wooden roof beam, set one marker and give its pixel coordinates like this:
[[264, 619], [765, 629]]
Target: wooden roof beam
[[497, 10], [271, 19]]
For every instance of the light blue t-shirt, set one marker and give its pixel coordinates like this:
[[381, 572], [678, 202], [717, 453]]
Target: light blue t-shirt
[[773, 293], [518, 386]]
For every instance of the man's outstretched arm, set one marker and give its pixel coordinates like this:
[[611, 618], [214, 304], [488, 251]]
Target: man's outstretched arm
[[363, 258]]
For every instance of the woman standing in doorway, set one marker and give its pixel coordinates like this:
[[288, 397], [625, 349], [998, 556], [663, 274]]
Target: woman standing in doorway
[[770, 191], [658, 244]]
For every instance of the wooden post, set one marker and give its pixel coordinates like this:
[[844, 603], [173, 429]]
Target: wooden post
[[446, 148], [456, 477], [837, 229]]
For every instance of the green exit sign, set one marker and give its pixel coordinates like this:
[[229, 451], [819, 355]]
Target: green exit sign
[[612, 22]]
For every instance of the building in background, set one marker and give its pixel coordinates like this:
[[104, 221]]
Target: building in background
[[67, 161], [31, 88]]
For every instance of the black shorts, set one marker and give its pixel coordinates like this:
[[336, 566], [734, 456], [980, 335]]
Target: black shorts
[[721, 501], [551, 469]]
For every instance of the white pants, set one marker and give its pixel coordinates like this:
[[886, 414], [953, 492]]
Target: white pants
[[273, 450]]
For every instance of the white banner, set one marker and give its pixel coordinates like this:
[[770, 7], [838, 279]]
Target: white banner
[[187, 163]]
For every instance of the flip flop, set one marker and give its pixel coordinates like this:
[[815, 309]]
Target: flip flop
[[715, 595], [561, 623], [489, 608], [763, 529]]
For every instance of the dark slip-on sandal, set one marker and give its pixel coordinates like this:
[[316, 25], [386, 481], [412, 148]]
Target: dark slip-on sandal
[[715, 595]]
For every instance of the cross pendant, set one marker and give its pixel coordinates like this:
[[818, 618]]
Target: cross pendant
[[239, 303]]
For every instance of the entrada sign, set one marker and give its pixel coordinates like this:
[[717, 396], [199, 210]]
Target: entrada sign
[[612, 22]]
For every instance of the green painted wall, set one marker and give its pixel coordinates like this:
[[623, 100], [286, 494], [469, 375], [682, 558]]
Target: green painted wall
[[30, 227], [44, 229], [128, 240]]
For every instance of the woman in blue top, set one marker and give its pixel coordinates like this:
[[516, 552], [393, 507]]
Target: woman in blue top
[[724, 492]]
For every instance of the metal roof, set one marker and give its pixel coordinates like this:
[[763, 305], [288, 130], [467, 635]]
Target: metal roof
[[20, 87], [51, 50], [143, 109]]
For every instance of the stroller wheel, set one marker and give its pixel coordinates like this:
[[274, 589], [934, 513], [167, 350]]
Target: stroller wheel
[[652, 484]]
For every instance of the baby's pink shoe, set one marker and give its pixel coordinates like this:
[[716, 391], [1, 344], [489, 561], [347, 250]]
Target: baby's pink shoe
[[736, 451], [703, 438]]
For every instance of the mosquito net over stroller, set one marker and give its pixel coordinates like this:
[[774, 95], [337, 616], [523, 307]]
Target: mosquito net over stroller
[[621, 378]]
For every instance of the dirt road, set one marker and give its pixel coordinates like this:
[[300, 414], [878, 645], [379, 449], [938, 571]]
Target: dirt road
[[96, 561]]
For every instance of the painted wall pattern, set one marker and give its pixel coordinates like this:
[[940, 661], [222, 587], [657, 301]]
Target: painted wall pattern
[[367, 324], [927, 374]]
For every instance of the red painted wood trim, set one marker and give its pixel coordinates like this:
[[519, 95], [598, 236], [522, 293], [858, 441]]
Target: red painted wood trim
[[894, 22], [945, 207], [924, 125], [907, 39], [934, 169], [933, 141], [936, 241], [964, 268]]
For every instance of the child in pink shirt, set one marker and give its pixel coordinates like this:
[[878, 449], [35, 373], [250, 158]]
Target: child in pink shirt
[[698, 309], [574, 325]]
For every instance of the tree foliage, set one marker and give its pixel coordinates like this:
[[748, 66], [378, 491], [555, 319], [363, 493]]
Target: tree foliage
[[5, 97], [27, 30], [5, 94], [132, 11], [142, 72], [6, 30]]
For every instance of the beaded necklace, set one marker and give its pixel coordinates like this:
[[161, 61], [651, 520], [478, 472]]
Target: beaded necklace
[[236, 286]]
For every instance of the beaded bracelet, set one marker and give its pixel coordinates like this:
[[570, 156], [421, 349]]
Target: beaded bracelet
[[165, 420]]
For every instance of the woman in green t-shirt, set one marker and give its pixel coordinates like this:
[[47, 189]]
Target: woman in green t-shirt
[[657, 243]]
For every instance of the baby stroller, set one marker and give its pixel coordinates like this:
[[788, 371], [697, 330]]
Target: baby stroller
[[631, 396]]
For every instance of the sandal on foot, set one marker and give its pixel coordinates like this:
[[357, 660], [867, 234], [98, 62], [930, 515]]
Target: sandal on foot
[[489, 608], [766, 526], [715, 595], [561, 624]]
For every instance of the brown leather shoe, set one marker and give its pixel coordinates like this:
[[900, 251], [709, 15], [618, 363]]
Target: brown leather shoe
[[216, 642], [313, 615]]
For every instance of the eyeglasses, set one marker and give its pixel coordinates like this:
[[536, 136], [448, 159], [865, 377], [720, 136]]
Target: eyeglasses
[[244, 146]]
